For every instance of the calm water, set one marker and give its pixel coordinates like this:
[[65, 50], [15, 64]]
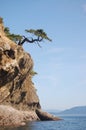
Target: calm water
[[68, 123]]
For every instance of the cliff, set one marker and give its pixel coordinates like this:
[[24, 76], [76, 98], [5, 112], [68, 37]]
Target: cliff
[[16, 87]]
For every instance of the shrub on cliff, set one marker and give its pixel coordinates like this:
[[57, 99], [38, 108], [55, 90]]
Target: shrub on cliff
[[39, 34]]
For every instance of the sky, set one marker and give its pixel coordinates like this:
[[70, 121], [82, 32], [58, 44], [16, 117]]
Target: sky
[[60, 64]]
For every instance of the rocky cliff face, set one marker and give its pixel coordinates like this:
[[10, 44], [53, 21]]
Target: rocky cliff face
[[17, 90], [16, 87]]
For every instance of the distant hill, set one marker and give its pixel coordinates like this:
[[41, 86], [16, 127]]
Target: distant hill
[[53, 111], [75, 110]]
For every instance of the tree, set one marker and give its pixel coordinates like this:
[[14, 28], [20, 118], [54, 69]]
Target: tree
[[1, 20], [39, 34], [14, 37]]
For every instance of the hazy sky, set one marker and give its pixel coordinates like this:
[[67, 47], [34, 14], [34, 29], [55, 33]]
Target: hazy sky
[[61, 64]]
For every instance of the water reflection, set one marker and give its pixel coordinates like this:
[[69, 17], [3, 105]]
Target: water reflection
[[27, 127]]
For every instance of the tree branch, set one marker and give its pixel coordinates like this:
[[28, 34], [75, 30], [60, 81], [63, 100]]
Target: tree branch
[[39, 39]]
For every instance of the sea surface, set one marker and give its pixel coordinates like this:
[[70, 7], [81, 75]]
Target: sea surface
[[68, 122]]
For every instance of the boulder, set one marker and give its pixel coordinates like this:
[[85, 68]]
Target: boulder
[[45, 116], [12, 117]]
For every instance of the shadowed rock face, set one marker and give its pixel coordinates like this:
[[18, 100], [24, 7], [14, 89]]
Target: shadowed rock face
[[16, 87]]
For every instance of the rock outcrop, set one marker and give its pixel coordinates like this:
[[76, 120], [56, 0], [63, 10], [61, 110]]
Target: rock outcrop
[[16, 87], [13, 117], [46, 116]]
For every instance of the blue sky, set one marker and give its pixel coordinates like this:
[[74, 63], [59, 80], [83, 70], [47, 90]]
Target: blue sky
[[61, 64]]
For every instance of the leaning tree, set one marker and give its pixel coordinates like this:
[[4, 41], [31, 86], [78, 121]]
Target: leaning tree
[[39, 34]]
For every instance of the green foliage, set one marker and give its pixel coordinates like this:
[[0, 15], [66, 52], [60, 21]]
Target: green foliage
[[33, 73], [6, 30], [1, 20], [20, 40], [11, 36], [39, 33]]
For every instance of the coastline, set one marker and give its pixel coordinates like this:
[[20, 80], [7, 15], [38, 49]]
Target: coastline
[[10, 116]]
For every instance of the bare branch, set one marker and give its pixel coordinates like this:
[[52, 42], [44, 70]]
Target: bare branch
[[30, 41]]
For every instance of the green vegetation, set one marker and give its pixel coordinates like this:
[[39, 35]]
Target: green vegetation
[[39, 34], [1, 20], [33, 73], [13, 37]]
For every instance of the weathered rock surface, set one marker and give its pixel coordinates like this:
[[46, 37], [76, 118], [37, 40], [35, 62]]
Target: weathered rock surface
[[46, 116], [13, 117], [18, 99], [16, 87]]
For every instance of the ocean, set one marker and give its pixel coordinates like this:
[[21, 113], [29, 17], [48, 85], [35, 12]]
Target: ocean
[[67, 123]]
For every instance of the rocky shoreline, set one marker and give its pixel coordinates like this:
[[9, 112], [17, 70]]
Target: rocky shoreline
[[12, 117]]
